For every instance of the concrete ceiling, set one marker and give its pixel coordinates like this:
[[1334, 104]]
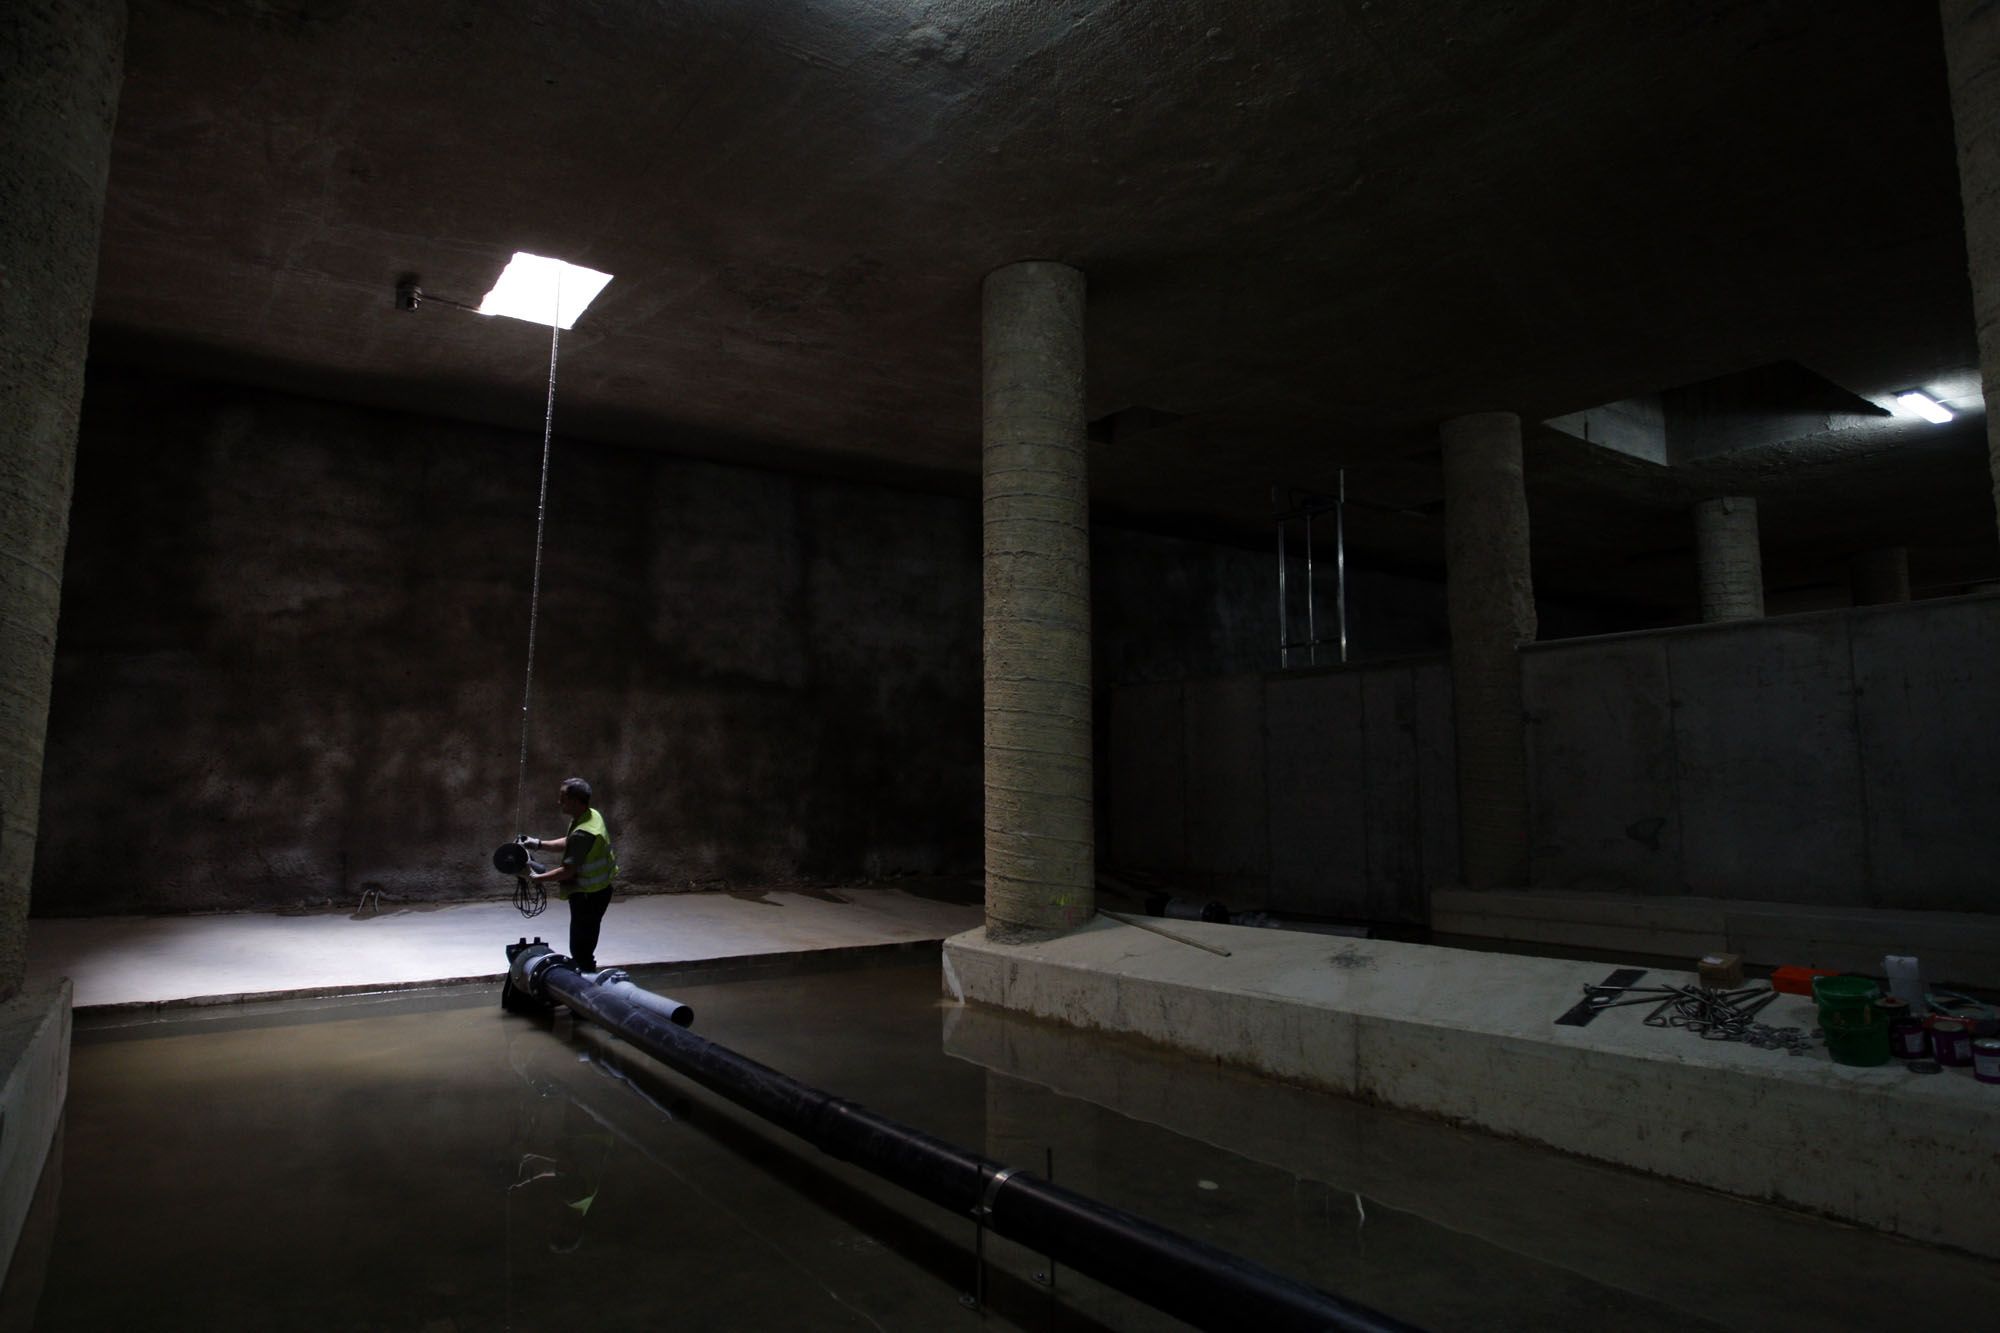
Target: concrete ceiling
[[1312, 230]]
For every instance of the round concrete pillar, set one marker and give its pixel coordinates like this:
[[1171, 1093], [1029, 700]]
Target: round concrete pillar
[[1490, 598], [57, 103], [1729, 563], [1882, 576], [1972, 68], [1040, 858]]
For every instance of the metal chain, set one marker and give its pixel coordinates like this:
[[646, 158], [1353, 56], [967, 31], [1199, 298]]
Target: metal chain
[[1710, 1014]]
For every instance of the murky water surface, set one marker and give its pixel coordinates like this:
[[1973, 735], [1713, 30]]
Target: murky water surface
[[427, 1163]]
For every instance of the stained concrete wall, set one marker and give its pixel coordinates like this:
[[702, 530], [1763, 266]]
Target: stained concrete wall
[[290, 660], [1845, 758], [1328, 792], [289, 664]]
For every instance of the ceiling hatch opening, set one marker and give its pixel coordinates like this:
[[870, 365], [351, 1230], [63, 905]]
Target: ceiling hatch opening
[[1919, 403], [543, 290]]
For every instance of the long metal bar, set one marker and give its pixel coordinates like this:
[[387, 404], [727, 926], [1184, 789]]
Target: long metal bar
[[1304, 514], [1340, 560], [1312, 597], [1284, 607], [1196, 1282], [1177, 938]]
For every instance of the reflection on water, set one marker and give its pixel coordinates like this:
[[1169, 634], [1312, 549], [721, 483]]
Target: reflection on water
[[431, 1164], [1446, 1227]]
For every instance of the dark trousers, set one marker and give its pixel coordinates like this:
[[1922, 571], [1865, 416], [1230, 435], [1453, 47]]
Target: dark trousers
[[586, 919]]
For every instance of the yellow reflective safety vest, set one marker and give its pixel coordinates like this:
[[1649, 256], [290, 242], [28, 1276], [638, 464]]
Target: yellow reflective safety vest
[[597, 872]]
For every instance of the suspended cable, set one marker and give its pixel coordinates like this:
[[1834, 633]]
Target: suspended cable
[[523, 274], [532, 897]]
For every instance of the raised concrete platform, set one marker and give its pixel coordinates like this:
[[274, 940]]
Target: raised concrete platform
[[1685, 1247], [1470, 1037], [117, 961], [34, 1083], [1961, 948]]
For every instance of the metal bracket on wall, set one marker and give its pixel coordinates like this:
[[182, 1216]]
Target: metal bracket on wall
[[981, 1215], [1047, 1277]]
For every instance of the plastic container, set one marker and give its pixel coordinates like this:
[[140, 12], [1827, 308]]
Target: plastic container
[[1857, 1033], [1906, 980], [1790, 980]]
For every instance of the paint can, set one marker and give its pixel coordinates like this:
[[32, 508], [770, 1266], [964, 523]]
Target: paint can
[[1951, 1041], [1908, 1040], [1986, 1059], [1892, 1008]]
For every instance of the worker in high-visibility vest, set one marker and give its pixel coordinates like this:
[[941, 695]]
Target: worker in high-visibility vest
[[585, 874]]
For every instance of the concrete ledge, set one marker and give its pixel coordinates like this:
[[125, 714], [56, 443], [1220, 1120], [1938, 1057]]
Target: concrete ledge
[[34, 1082], [1555, 1210], [1470, 1037], [1960, 948]]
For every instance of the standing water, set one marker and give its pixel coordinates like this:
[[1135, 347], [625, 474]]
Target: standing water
[[426, 1163]]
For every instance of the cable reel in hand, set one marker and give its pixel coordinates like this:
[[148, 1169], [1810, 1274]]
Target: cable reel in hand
[[511, 858]]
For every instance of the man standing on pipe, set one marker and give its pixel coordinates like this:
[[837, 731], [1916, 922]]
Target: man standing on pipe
[[585, 874]]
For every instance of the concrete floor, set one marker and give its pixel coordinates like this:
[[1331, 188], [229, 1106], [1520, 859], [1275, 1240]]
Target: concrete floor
[[116, 961]]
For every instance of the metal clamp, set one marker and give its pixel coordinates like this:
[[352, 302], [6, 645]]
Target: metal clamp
[[981, 1214], [993, 1184]]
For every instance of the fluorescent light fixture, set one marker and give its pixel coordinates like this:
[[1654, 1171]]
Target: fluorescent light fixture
[[543, 290], [1919, 403]]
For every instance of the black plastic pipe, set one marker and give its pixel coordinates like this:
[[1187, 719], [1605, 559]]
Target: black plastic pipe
[[1193, 1281]]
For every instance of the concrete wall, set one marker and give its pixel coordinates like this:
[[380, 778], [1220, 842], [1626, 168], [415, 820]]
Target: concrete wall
[[34, 1087], [290, 660], [1165, 608], [1328, 792], [1169, 609], [1846, 759]]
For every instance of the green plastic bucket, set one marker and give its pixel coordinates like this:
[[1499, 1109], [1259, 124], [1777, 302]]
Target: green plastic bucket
[[1857, 1033]]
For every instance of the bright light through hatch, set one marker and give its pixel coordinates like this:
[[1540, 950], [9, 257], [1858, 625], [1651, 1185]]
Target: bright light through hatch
[[543, 290], [1923, 405]]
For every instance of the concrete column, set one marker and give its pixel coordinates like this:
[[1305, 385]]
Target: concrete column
[[1881, 576], [1490, 598], [58, 97], [1040, 858], [1972, 68], [1728, 559]]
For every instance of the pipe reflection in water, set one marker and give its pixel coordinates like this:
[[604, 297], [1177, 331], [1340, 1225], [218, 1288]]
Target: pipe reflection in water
[[1197, 1281], [561, 1166], [626, 1074]]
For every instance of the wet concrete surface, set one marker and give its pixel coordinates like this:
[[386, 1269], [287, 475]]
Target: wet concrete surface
[[423, 1162]]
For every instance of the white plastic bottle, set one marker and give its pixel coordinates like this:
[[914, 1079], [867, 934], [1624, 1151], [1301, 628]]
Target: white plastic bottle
[[1906, 981]]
